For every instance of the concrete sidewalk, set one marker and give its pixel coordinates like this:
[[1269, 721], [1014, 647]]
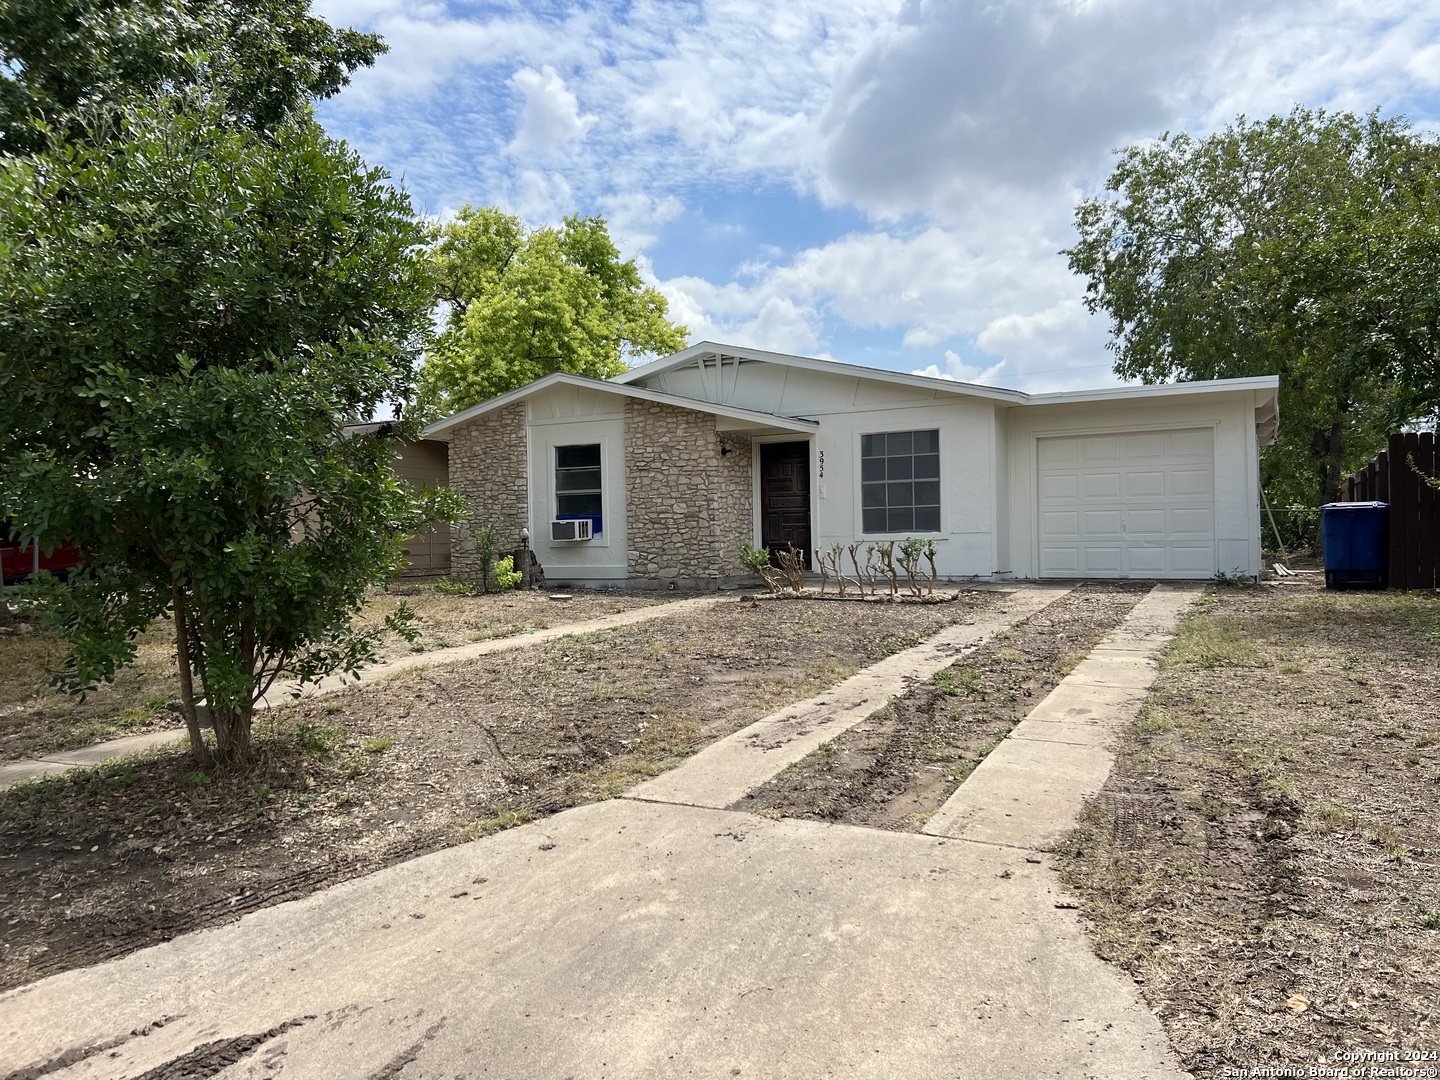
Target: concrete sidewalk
[[13, 772], [637, 939]]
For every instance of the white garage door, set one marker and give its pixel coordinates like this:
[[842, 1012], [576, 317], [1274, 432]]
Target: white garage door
[[1128, 504]]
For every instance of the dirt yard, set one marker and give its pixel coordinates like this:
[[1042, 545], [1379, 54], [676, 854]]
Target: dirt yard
[[895, 770], [96, 863], [1265, 859], [35, 719]]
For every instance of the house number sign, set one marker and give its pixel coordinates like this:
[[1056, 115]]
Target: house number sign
[[822, 464]]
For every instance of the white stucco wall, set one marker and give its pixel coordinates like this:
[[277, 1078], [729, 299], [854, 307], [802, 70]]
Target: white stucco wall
[[1230, 415], [567, 416]]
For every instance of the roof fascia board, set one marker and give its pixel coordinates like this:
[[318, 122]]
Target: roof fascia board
[[1264, 385], [559, 378]]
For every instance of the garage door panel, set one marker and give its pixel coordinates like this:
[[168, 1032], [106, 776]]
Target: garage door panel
[[1192, 522], [1192, 481], [1141, 484], [1193, 559], [1100, 448], [1147, 523], [1133, 504], [1097, 559], [1104, 523], [1063, 486], [1105, 485], [1058, 451], [1060, 562], [1148, 560], [1194, 445], [1140, 447], [1060, 524]]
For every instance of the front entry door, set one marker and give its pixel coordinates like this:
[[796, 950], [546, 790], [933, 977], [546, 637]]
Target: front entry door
[[785, 497]]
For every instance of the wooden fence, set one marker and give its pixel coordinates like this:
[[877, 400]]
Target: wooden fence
[[1414, 506]]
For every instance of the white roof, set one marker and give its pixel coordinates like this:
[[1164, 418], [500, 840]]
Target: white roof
[[441, 428], [1264, 384]]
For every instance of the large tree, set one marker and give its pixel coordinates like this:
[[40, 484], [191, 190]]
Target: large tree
[[1302, 245], [61, 60], [190, 315], [526, 303]]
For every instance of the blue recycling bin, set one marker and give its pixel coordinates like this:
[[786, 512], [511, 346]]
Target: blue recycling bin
[[1356, 539]]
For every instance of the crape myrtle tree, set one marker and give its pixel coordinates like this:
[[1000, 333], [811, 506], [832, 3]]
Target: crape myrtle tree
[[525, 303], [1305, 245], [191, 311]]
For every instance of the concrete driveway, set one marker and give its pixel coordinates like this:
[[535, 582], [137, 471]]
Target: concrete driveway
[[658, 936], [624, 939]]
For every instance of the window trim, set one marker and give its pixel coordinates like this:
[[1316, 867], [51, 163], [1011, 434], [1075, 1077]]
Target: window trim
[[597, 521], [861, 484]]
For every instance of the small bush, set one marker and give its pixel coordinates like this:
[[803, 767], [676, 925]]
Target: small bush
[[505, 575]]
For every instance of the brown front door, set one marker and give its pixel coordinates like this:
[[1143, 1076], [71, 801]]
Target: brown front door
[[785, 496]]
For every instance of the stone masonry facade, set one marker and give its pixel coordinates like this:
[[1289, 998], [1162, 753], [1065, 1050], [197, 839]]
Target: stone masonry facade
[[488, 467], [688, 496]]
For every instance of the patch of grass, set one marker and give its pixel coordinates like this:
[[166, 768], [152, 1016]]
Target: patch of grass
[[1428, 918], [506, 819], [955, 681], [1153, 722], [1214, 642], [1392, 843], [1427, 738], [194, 780], [317, 740], [448, 587], [378, 745], [1208, 808]]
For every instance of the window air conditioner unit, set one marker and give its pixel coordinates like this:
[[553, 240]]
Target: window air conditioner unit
[[574, 529]]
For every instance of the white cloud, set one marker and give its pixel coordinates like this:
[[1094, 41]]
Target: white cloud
[[959, 128], [550, 123], [958, 97], [958, 371]]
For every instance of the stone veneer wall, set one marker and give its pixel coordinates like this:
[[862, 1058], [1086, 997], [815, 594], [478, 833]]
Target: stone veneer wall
[[488, 466], [688, 507]]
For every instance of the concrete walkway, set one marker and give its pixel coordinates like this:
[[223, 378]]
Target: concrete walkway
[[651, 940], [12, 772]]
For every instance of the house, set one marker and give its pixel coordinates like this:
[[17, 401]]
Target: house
[[675, 464], [423, 463]]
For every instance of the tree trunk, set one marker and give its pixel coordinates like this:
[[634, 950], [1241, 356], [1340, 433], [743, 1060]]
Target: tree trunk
[[232, 736], [198, 750]]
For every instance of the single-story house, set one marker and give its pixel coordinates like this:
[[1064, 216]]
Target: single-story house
[[661, 474], [424, 463]]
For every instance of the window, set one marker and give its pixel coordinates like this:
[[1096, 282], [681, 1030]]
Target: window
[[900, 482], [577, 483]]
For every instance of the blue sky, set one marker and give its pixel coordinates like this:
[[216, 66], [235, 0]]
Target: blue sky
[[885, 182]]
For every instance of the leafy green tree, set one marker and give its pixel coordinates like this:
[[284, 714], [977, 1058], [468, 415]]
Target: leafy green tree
[[264, 59], [1302, 245], [523, 304], [190, 314]]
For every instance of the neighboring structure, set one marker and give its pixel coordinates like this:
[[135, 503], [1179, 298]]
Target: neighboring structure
[[424, 463], [675, 464]]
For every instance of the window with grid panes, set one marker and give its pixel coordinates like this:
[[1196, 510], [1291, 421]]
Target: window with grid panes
[[577, 483], [900, 482]]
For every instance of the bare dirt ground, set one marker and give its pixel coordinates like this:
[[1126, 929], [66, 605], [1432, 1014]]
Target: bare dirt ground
[[895, 770], [36, 720], [99, 862], [1265, 858]]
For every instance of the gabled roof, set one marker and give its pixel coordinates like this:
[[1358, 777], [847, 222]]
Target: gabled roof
[[1265, 388], [440, 429], [833, 367]]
